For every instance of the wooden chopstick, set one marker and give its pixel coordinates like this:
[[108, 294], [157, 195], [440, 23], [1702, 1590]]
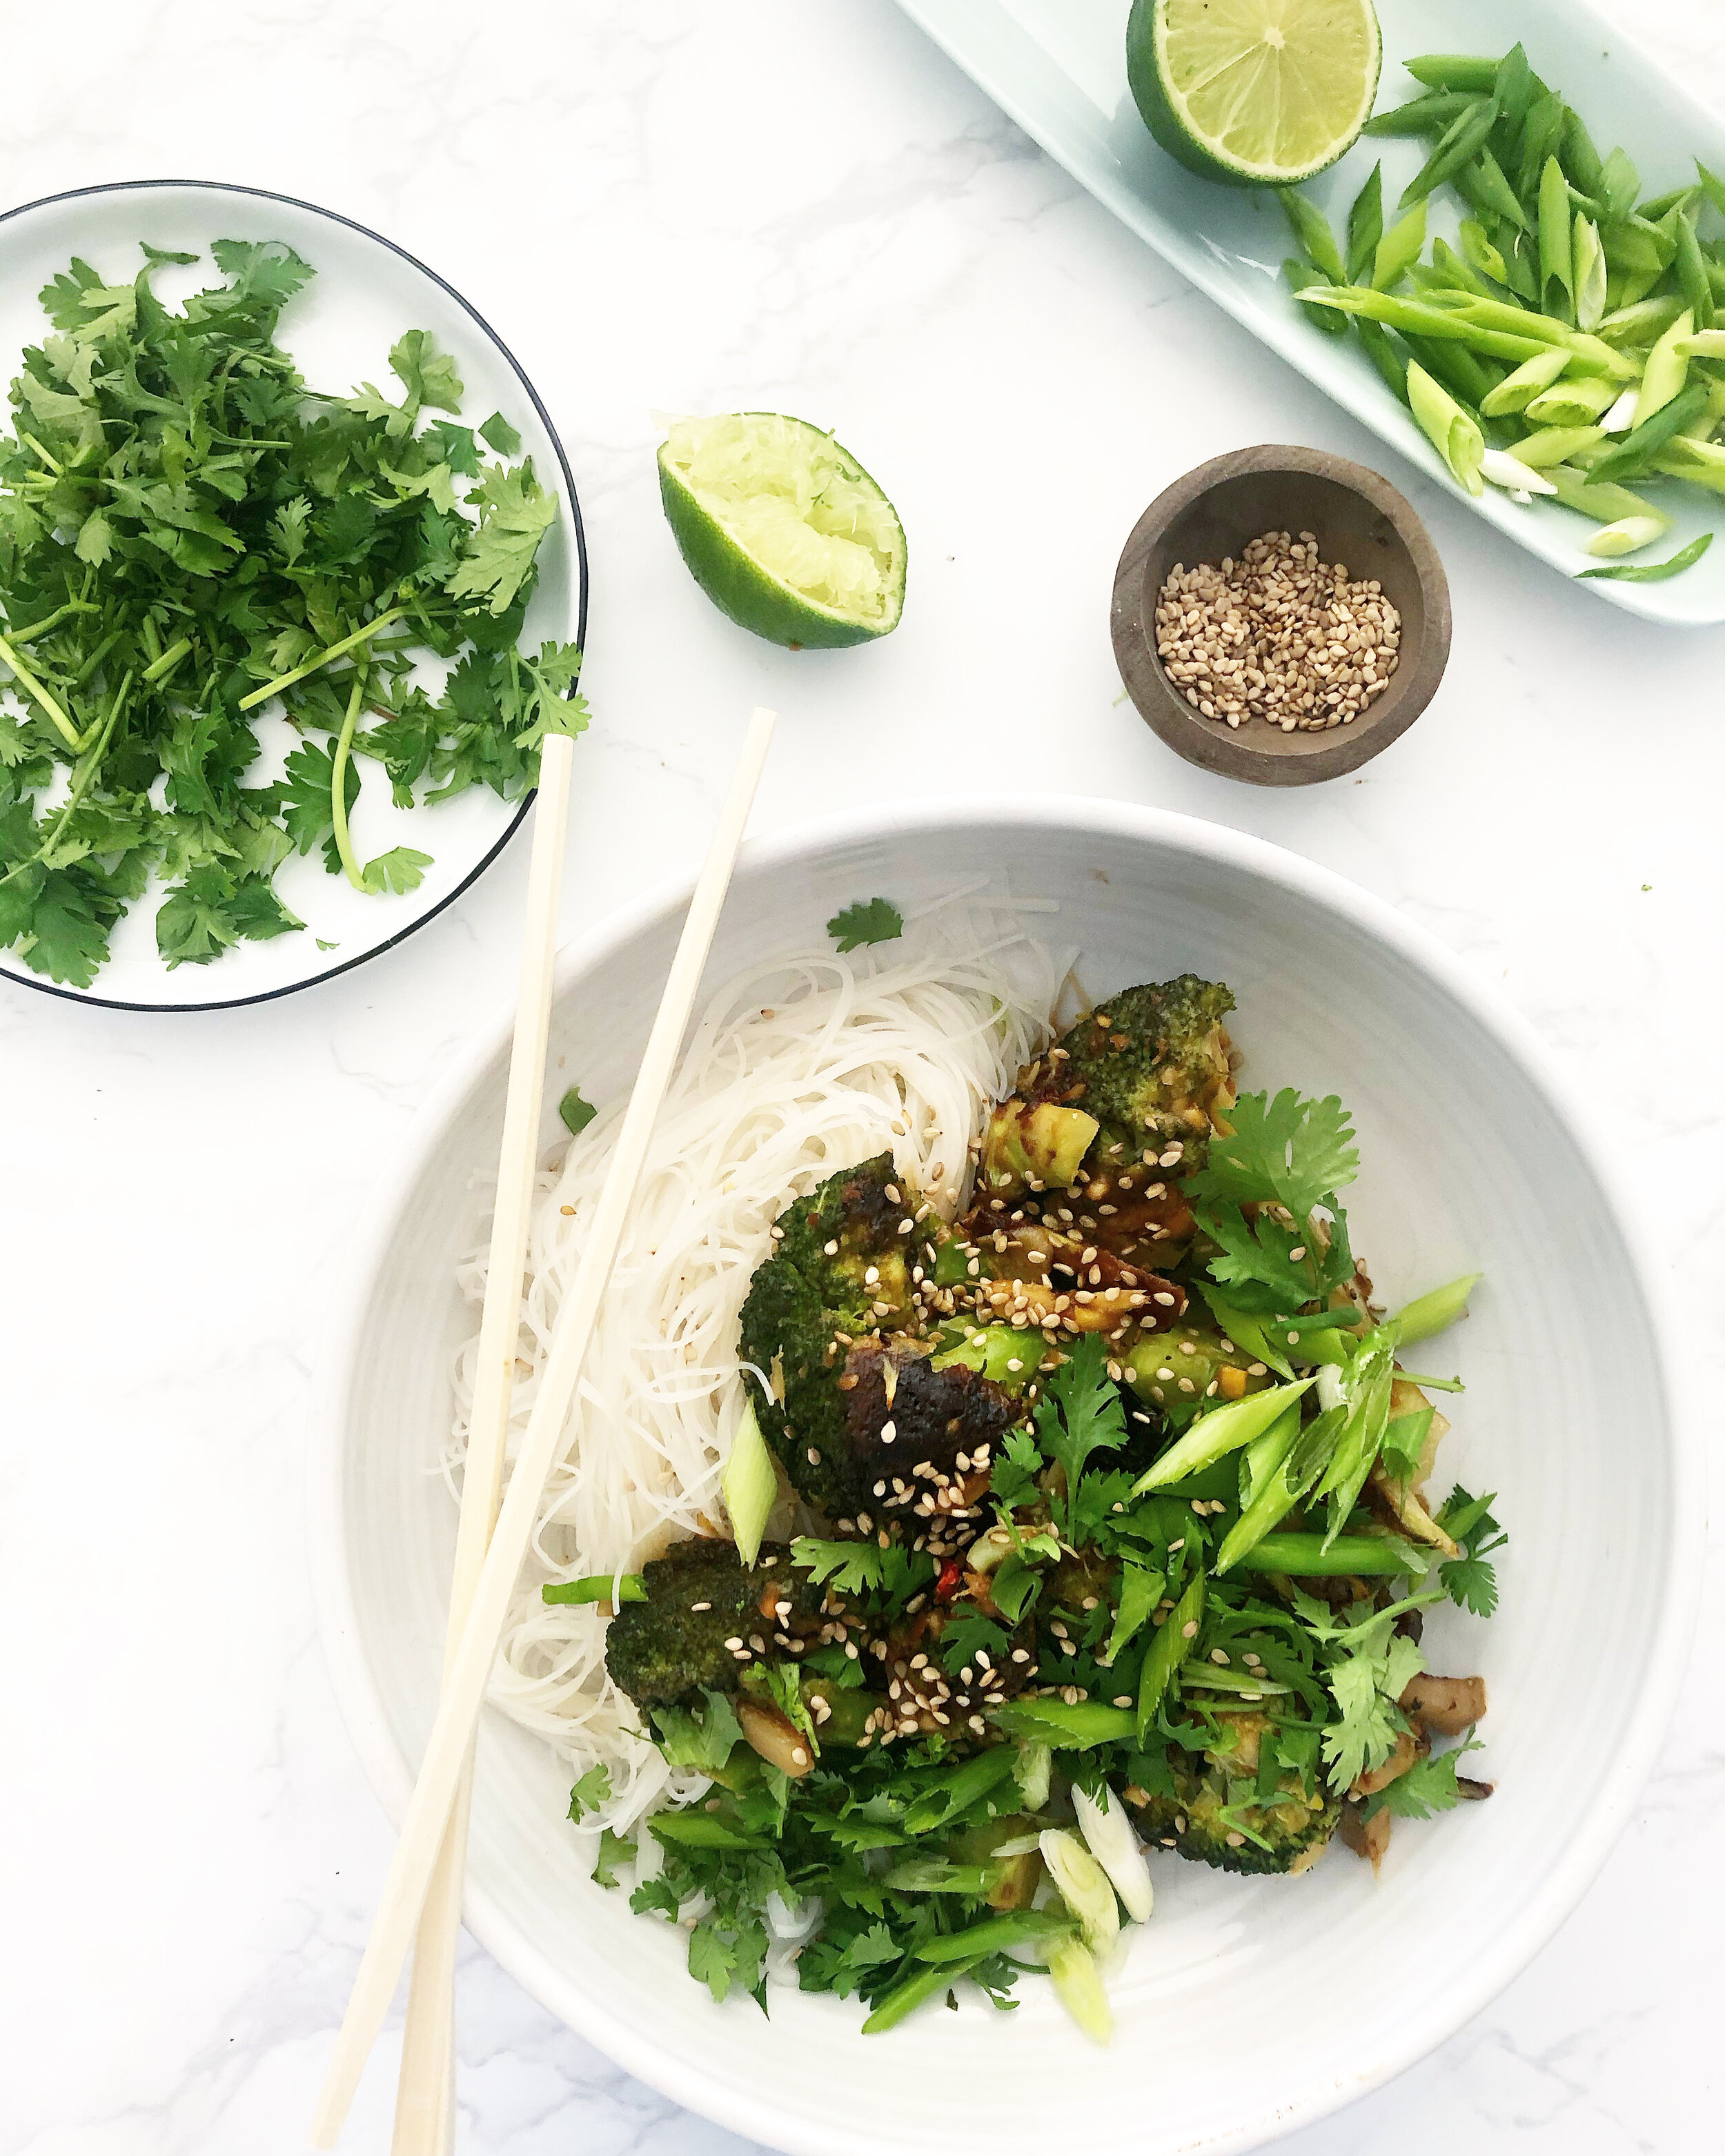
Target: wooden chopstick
[[430, 1807], [424, 2090]]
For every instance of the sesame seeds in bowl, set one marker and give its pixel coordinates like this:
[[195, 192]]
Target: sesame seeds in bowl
[[1280, 616]]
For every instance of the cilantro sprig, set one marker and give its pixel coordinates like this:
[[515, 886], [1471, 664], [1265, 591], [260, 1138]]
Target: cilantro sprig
[[1285, 1158], [188, 532]]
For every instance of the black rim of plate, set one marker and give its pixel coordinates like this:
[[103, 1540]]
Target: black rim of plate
[[25, 978]]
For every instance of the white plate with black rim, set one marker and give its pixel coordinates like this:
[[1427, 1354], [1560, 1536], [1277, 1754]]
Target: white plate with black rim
[[339, 329]]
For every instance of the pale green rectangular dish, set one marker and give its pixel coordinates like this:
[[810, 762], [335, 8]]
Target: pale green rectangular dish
[[1058, 68]]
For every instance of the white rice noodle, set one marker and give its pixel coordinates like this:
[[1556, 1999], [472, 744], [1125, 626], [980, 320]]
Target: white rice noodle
[[795, 1070]]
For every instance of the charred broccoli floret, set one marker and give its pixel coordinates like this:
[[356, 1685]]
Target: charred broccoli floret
[[1218, 1818], [842, 1264], [1151, 1066], [700, 1594]]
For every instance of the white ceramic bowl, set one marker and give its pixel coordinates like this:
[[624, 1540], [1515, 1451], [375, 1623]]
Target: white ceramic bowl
[[1247, 2007]]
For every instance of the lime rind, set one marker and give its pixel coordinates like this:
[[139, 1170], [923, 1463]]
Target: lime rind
[[1254, 93], [783, 529]]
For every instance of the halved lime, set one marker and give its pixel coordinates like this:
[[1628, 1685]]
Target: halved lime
[[1259, 92], [783, 530]]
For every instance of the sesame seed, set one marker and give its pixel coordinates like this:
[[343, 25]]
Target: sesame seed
[[1189, 1631], [695, 1608], [734, 1642]]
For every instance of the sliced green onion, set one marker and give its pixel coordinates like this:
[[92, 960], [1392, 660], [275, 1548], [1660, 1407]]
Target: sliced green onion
[[1429, 1315], [1454, 70], [751, 1485], [1557, 252], [1014, 1927], [1517, 390], [1078, 1983], [1629, 534], [1311, 228], [1456, 437], [1401, 246], [1304, 1556], [1555, 445], [1589, 274], [615, 1587], [1068, 1725], [1607, 503], [1111, 1839], [1573, 401], [1668, 368], [904, 1998], [1167, 1651], [1032, 1770], [1365, 227], [1628, 458], [1140, 1591], [1223, 1430], [1504, 470], [1084, 1886]]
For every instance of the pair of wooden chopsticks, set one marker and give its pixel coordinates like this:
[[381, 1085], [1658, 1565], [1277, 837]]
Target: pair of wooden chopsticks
[[423, 1886]]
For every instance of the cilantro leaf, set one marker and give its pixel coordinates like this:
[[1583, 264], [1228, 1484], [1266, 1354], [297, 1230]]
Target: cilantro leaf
[[68, 940], [1470, 1580], [576, 1113], [1080, 1413], [515, 514], [1428, 1785], [614, 1849], [502, 437], [304, 799], [867, 920], [1287, 1151], [701, 1740], [593, 1789], [966, 1632], [428, 374], [1017, 1464], [400, 870]]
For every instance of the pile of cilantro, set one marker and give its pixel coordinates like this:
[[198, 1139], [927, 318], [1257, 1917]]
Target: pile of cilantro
[[188, 532], [1235, 1576]]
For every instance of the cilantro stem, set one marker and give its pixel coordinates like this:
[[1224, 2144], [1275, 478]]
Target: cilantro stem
[[68, 730], [169, 659], [87, 768], [51, 465], [320, 658], [338, 782], [51, 621], [96, 657]]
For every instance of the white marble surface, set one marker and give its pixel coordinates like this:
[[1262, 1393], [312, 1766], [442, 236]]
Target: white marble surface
[[665, 205]]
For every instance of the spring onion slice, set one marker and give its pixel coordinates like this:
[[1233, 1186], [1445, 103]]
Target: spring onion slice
[[751, 1485]]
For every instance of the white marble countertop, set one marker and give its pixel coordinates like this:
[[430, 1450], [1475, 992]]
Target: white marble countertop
[[664, 205]]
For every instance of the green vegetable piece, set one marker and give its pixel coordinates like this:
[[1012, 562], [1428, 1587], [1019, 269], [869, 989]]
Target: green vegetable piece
[[1311, 228], [1073, 1970], [1305, 1556], [1465, 140], [1456, 436], [615, 1587], [1481, 253], [1429, 1315], [1667, 371], [502, 437], [1014, 1927], [576, 1113], [868, 921], [957, 1789], [1467, 71], [1607, 503], [1167, 1651], [1300, 276], [1483, 184], [1140, 1591], [1223, 1431], [1430, 114], [1581, 160], [1365, 229], [1557, 251], [904, 1998], [1035, 1147], [1074, 1726], [1517, 390], [1555, 445], [1692, 279], [1575, 400], [1275, 1488], [1391, 365], [1655, 572], [1629, 458], [1003, 1355], [1589, 274], [1400, 246], [1712, 187], [751, 1485], [1083, 1886]]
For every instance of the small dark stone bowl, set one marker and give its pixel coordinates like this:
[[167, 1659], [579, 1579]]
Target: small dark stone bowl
[[1359, 519]]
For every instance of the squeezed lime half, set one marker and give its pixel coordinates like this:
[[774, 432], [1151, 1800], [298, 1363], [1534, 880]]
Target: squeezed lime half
[[1258, 93], [783, 529]]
